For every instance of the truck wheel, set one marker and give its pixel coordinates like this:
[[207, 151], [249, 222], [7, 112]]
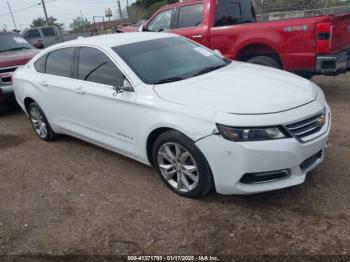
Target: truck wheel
[[265, 61]]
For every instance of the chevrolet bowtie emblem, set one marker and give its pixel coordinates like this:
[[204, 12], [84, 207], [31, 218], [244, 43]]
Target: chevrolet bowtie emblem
[[321, 121]]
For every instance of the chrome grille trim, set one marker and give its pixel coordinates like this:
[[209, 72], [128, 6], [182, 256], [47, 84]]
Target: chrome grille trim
[[8, 69], [306, 127], [6, 75]]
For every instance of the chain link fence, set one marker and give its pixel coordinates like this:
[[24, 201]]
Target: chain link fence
[[268, 10]]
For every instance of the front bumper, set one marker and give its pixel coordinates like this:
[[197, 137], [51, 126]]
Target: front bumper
[[230, 161], [333, 64]]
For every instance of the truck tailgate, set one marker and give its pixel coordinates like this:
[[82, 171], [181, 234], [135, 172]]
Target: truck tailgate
[[340, 32]]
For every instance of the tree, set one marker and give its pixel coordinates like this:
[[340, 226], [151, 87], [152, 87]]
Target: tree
[[42, 21], [80, 24]]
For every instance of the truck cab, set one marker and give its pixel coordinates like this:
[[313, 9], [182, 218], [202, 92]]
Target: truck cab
[[43, 36], [15, 51], [305, 46]]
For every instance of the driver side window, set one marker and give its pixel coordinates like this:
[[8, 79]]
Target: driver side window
[[161, 22], [95, 66]]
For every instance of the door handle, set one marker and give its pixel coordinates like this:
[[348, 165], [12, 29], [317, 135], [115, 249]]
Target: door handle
[[79, 90], [43, 83], [197, 36]]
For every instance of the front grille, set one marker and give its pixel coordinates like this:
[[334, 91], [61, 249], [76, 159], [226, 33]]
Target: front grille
[[6, 75], [8, 69], [308, 126]]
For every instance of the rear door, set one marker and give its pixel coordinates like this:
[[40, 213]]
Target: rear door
[[228, 14], [189, 22], [55, 78]]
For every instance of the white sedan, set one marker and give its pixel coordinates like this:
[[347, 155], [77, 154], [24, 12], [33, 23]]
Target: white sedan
[[203, 121]]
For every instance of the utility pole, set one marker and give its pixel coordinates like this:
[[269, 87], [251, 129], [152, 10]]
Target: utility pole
[[120, 11], [127, 10], [44, 7], [13, 19], [82, 21]]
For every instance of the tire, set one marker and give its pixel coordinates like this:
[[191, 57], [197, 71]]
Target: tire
[[186, 164], [39, 123], [265, 61]]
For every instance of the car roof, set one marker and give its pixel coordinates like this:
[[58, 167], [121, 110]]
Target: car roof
[[113, 40]]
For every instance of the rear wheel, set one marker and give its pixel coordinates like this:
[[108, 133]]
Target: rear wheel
[[39, 122], [265, 61], [181, 165]]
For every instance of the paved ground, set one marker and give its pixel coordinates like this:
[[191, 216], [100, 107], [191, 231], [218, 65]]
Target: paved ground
[[69, 197]]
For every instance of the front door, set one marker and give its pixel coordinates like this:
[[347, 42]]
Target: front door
[[104, 116]]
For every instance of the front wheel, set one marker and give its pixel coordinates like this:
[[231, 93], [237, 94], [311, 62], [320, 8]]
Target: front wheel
[[181, 165]]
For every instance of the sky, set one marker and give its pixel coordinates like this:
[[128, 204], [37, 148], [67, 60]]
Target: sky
[[64, 10]]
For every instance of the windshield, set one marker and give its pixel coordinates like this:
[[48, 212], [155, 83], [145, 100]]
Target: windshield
[[12, 41], [169, 59]]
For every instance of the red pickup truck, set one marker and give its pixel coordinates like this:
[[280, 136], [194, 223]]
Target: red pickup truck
[[305, 46], [15, 51]]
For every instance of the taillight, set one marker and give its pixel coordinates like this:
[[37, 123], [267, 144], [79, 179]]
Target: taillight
[[324, 38]]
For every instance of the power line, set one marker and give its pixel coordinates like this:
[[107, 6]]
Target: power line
[[25, 8]]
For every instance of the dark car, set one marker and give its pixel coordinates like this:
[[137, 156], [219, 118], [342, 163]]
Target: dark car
[[15, 51]]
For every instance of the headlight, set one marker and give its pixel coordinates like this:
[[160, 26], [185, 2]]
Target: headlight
[[240, 134]]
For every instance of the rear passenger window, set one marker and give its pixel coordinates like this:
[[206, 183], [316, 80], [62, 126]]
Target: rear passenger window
[[232, 12], [190, 16], [95, 66], [48, 31], [40, 64], [61, 62]]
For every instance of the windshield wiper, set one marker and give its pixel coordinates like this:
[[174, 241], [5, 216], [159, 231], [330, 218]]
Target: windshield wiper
[[168, 80], [209, 69]]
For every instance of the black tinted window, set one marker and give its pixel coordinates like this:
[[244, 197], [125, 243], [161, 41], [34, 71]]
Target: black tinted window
[[231, 12], [32, 33], [48, 31], [95, 66], [12, 41], [60, 62], [40, 65], [190, 16], [168, 58]]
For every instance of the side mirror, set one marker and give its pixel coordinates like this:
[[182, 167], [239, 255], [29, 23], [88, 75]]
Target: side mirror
[[126, 87], [216, 51], [142, 28]]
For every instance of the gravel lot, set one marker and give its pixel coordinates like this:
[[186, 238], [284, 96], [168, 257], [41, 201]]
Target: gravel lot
[[70, 197]]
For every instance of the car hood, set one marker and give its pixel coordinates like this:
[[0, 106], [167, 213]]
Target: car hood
[[18, 57], [241, 88]]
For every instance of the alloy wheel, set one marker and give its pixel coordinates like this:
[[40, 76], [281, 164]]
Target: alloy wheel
[[178, 167], [38, 121]]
